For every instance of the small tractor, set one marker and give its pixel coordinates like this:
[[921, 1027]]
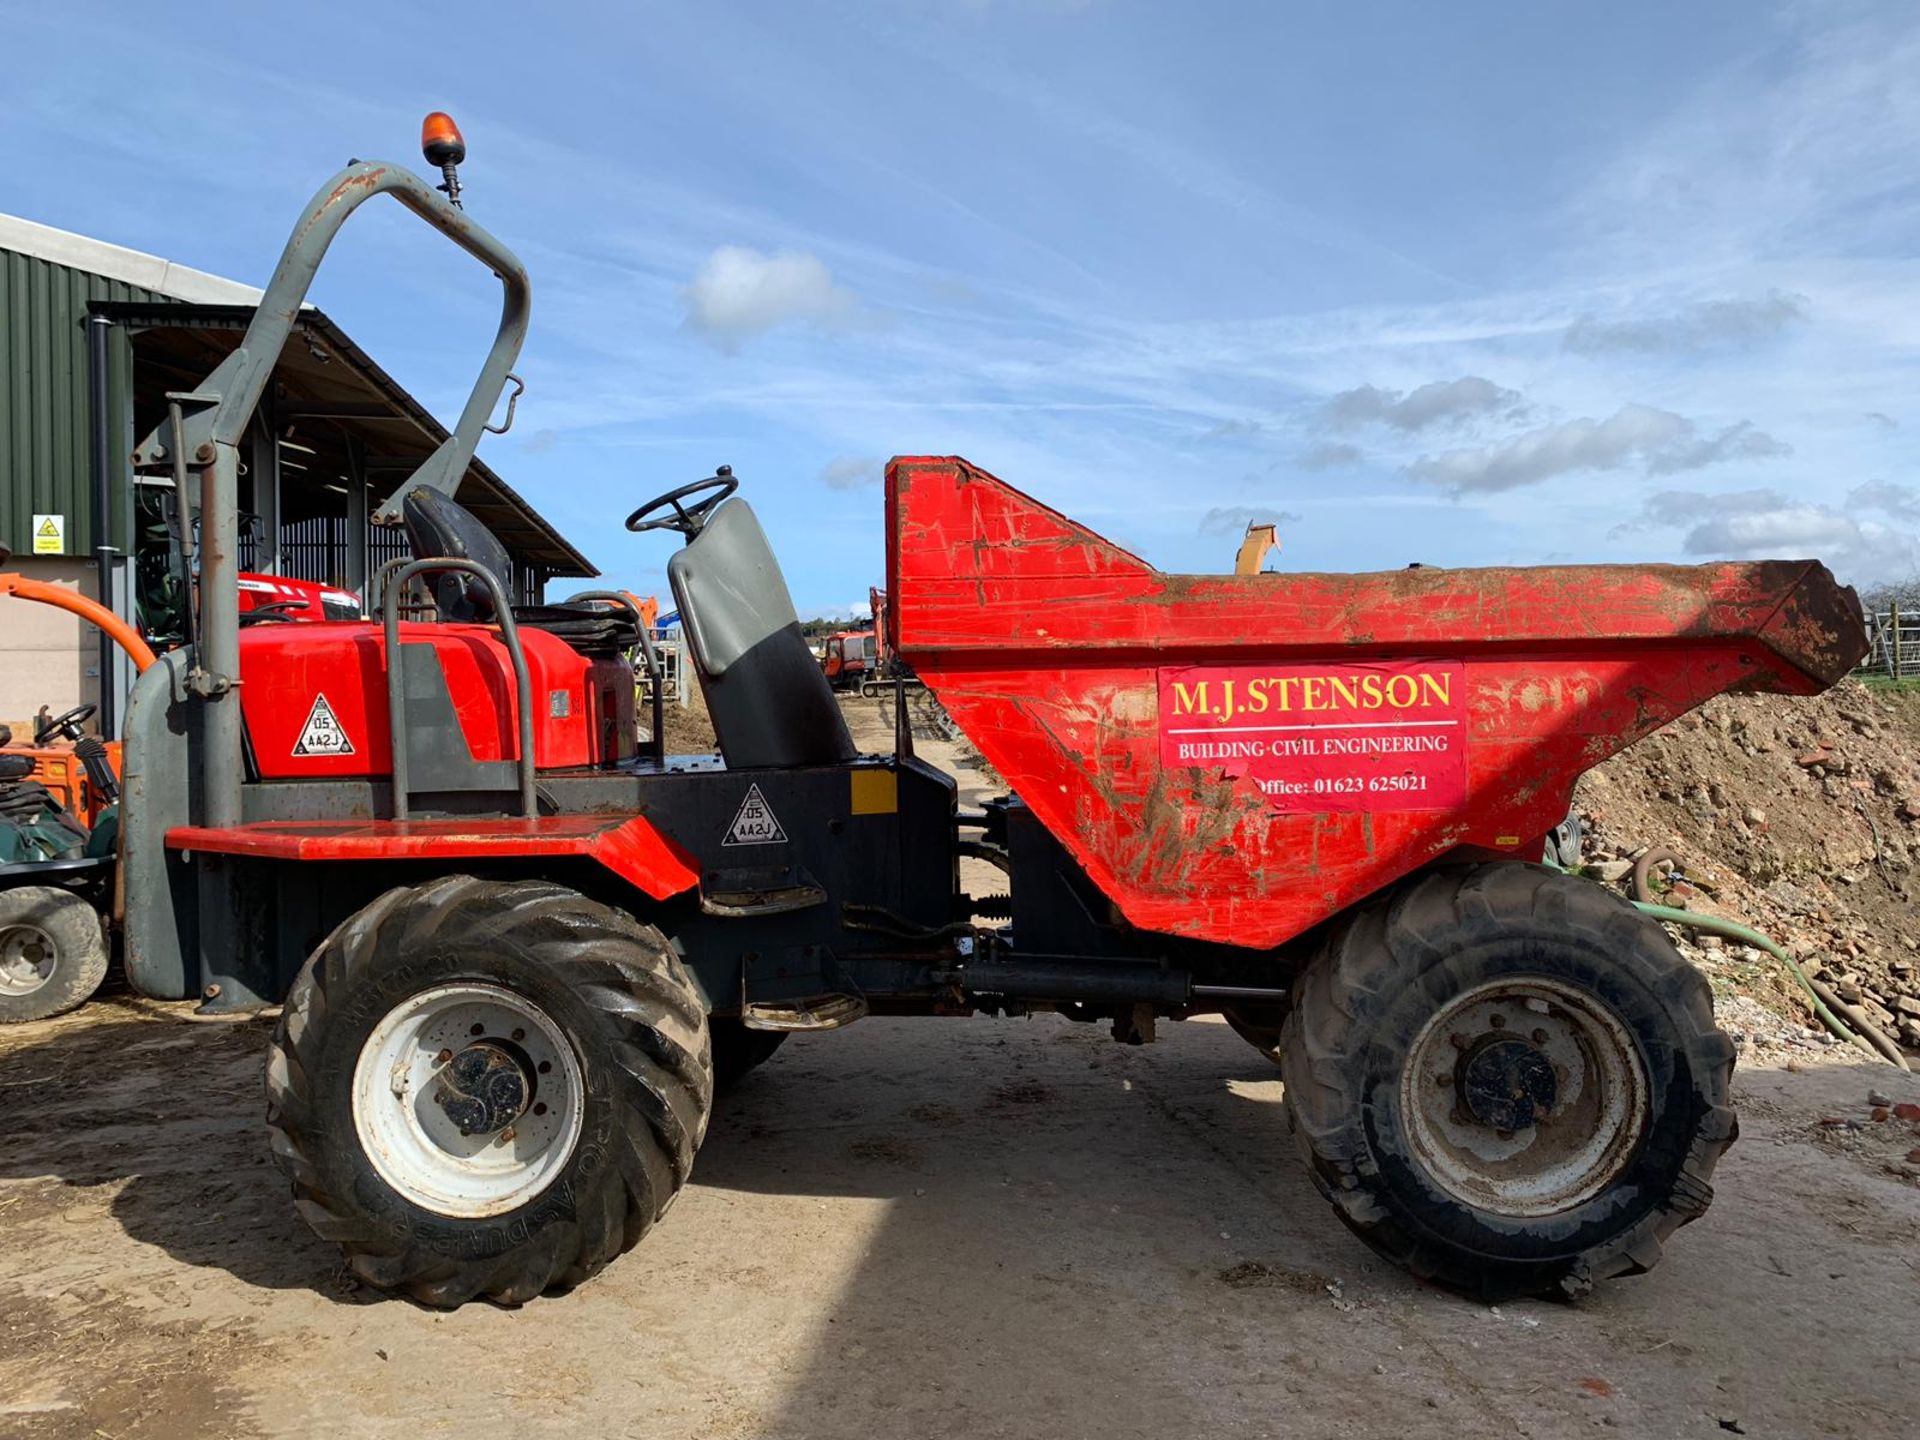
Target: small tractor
[[59, 824], [518, 945]]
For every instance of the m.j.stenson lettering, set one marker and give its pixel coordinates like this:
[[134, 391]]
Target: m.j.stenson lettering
[[1225, 699]]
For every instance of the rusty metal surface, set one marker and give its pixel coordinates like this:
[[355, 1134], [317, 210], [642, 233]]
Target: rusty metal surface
[[1045, 642]]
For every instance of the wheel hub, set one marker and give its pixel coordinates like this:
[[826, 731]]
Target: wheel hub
[[1524, 1096], [1507, 1084], [484, 1089], [468, 1099], [26, 959]]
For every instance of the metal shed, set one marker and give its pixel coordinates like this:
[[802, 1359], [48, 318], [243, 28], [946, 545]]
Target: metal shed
[[92, 336]]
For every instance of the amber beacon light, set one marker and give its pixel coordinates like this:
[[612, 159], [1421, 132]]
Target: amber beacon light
[[444, 146]]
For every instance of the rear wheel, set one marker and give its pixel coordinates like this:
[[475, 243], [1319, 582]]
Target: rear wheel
[[1508, 1081], [736, 1049], [53, 953], [487, 1089]]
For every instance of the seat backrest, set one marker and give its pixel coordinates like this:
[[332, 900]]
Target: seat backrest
[[437, 526], [769, 703]]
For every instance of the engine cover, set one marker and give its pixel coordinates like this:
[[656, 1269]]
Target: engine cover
[[314, 698]]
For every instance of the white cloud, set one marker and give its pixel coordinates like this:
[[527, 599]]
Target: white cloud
[[1736, 442], [852, 472], [1899, 502], [1765, 524], [1434, 403], [1700, 326], [738, 293], [1228, 429], [1802, 152], [1329, 457], [1659, 439], [1234, 519]]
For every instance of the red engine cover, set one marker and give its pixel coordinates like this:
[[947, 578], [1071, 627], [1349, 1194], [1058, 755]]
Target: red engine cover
[[314, 697], [306, 599]]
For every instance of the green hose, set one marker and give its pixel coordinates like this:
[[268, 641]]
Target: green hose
[[1747, 935]]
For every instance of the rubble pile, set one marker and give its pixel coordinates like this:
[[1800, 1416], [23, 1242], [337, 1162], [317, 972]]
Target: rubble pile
[[1797, 817]]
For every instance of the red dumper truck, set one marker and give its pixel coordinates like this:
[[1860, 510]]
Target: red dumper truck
[[518, 945]]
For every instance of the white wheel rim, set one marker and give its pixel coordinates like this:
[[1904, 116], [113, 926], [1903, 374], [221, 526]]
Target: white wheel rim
[[401, 1080], [27, 959], [1579, 1145]]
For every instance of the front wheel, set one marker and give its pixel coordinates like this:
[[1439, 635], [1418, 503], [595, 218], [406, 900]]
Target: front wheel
[[488, 1089], [1508, 1080]]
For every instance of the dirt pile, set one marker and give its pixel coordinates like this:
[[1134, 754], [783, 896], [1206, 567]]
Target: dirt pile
[[689, 730], [1798, 817]]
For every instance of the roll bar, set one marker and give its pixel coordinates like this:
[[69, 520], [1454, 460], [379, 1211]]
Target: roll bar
[[205, 427], [395, 587]]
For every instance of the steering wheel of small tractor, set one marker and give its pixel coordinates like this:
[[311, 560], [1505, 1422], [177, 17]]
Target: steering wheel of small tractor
[[278, 610], [687, 520], [65, 726]]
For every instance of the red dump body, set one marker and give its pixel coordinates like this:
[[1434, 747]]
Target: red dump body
[[1236, 758]]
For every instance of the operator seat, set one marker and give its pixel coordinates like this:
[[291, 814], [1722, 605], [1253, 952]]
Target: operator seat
[[768, 699], [437, 526]]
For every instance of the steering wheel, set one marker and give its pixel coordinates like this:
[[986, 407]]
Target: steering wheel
[[278, 610], [687, 520], [67, 725]]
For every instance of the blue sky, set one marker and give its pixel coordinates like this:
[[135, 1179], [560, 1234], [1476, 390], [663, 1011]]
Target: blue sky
[[1466, 284]]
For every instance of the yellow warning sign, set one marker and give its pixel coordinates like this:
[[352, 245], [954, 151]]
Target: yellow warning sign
[[49, 534]]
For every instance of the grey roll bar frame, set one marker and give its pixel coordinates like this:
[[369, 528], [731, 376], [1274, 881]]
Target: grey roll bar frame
[[396, 676], [209, 435]]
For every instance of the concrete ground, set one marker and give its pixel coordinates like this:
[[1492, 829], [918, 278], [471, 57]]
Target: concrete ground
[[921, 1228]]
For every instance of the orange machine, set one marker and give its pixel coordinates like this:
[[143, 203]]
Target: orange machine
[[57, 764]]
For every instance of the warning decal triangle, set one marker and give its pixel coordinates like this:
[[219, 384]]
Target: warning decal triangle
[[322, 734], [755, 824]]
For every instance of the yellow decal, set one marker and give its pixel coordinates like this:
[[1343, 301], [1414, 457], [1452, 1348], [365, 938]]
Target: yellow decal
[[875, 792]]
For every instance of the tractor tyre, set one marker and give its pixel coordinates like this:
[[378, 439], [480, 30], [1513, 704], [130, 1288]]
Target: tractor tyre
[[53, 953], [1507, 1080], [490, 1089], [736, 1050]]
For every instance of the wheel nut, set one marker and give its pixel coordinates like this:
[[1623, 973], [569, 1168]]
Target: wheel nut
[[1498, 1022], [476, 1030], [1539, 1037], [1443, 1080], [1459, 1041], [443, 1057], [518, 1036], [545, 1066]]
